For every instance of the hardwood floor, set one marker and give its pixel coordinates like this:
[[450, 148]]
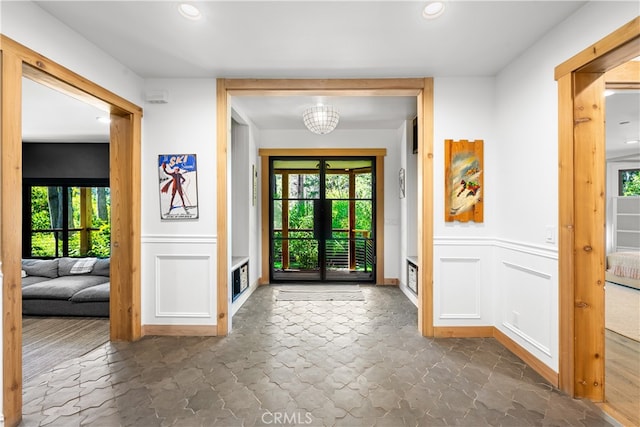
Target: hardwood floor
[[49, 341], [622, 373]]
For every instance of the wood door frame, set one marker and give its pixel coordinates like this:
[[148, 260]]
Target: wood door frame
[[18, 61], [377, 153], [421, 88], [582, 214]]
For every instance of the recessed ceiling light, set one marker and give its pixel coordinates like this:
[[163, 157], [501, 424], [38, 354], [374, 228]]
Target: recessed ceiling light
[[189, 11], [102, 119], [609, 92], [433, 9], [632, 141]]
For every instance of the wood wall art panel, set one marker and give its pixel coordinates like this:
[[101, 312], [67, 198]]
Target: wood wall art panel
[[464, 182]]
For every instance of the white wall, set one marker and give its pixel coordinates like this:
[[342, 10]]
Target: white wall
[[179, 256], [379, 138], [249, 236], [526, 118], [463, 252], [408, 206]]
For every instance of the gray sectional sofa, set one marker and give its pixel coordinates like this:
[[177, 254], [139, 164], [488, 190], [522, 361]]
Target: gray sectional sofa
[[65, 287]]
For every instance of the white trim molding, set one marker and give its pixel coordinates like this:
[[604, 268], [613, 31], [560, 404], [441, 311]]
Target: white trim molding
[[179, 238], [527, 338], [538, 273], [528, 248]]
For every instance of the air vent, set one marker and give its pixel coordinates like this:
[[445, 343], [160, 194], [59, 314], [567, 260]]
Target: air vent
[[157, 97]]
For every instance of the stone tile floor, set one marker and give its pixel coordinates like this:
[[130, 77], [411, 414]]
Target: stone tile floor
[[329, 363]]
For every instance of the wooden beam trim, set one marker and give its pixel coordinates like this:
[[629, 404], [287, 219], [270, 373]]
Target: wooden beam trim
[[180, 330], [589, 242], [592, 54], [566, 230], [624, 53], [264, 197], [222, 115], [11, 237], [322, 152], [463, 331], [125, 292], [492, 332], [64, 76], [425, 209], [546, 372], [627, 74], [134, 141], [304, 86]]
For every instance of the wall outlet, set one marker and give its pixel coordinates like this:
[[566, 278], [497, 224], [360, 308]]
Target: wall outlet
[[515, 318]]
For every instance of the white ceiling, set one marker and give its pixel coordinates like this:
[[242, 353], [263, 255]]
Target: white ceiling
[[623, 124], [297, 39], [356, 112], [312, 38], [51, 116]]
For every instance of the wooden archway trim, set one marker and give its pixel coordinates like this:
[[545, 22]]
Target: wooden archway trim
[[582, 215], [19, 61], [421, 88]]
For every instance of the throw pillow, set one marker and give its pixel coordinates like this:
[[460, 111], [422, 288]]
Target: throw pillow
[[41, 267], [71, 266], [102, 267]]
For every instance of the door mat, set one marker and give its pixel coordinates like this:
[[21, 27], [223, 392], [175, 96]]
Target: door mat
[[319, 294]]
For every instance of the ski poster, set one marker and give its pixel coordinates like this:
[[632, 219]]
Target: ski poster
[[178, 186]]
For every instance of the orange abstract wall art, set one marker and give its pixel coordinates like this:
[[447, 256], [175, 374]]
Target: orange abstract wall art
[[464, 183]]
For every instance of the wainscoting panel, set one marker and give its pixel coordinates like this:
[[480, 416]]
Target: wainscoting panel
[[528, 304], [179, 280], [460, 297], [183, 286], [462, 290], [527, 311]]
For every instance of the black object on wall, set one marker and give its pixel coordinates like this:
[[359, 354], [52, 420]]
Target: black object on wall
[[65, 160], [415, 135]]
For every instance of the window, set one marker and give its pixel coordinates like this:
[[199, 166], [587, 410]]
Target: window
[[629, 182], [66, 220]]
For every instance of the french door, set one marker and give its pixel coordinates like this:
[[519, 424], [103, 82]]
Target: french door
[[322, 219]]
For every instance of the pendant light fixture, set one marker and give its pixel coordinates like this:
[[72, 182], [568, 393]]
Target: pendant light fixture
[[321, 119]]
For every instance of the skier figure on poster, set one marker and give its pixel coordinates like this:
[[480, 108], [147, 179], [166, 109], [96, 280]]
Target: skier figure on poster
[[176, 186]]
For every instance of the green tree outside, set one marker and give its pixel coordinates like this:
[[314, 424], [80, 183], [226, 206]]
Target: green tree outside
[[45, 213], [630, 182], [303, 248]]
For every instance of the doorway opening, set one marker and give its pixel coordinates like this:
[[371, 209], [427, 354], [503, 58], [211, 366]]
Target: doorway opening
[[17, 62], [582, 208], [420, 88], [322, 219]]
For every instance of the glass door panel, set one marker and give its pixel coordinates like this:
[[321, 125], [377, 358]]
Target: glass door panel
[[322, 220], [295, 188], [349, 248]]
